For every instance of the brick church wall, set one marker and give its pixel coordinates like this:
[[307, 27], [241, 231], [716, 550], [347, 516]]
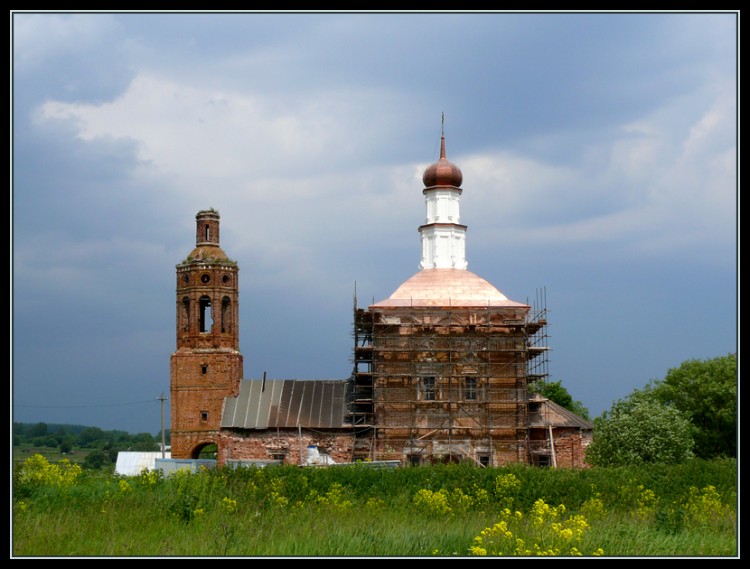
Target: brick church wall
[[570, 448], [287, 444]]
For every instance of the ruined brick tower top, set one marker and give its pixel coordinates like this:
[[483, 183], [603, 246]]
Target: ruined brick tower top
[[207, 238], [207, 291]]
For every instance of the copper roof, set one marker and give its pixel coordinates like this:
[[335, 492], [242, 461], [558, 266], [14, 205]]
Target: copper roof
[[443, 172], [264, 404], [447, 287]]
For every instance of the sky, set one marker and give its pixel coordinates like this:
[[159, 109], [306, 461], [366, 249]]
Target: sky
[[600, 181]]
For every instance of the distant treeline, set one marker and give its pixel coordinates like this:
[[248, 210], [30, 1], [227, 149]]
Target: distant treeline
[[68, 438]]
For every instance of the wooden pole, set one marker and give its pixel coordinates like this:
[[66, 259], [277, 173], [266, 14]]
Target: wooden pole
[[163, 443]]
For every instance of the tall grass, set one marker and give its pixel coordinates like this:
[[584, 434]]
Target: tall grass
[[350, 511]]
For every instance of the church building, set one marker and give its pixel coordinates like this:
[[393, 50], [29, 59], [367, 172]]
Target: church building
[[444, 368]]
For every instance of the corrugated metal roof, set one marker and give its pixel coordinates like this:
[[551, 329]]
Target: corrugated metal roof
[[283, 403], [133, 463]]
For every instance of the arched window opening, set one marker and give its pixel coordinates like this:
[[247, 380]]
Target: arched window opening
[[185, 314], [225, 314], [207, 236], [206, 321], [204, 369]]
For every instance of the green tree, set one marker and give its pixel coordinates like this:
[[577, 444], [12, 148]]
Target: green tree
[[167, 434], [143, 442], [39, 430], [705, 391], [111, 451], [91, 435], [47, 441], [639, 430], [554, 391], [95, 460], [66, 445]]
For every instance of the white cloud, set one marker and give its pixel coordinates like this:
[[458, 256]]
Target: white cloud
[[666, 185], [310, 135], [40, 37], [286, 175], [196, 133]]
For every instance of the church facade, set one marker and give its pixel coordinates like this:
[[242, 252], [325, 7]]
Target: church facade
[[444, 368]]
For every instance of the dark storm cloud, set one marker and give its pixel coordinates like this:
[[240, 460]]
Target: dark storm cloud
[[598, 155]]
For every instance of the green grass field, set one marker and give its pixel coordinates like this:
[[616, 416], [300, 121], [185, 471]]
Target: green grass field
[[61, 510]]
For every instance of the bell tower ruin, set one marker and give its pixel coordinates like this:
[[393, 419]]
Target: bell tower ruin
[[207, 366]]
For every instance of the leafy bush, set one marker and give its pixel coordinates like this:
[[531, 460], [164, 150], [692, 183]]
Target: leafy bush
[[705, 391], [37, 472], [638, 431]]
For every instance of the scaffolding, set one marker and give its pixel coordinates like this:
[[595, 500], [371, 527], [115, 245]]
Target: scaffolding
[[541, 438], [538, 367], [443, 384]]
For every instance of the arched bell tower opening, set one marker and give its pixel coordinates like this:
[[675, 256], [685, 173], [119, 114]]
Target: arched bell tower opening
[[207, 365]]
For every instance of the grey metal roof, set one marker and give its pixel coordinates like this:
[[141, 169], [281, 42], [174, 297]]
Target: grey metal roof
[[283, 403]]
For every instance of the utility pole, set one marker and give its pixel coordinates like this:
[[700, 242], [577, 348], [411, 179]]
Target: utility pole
[[163, 443]]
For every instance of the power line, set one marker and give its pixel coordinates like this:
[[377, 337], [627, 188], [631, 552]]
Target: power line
[[87, 406]]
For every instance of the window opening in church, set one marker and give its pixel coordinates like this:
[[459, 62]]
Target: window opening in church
[[428, 388], [205, 307], [470, 392], [225, 314]]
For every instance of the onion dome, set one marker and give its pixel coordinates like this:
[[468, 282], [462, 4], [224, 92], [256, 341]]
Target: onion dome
[[443, 172]]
